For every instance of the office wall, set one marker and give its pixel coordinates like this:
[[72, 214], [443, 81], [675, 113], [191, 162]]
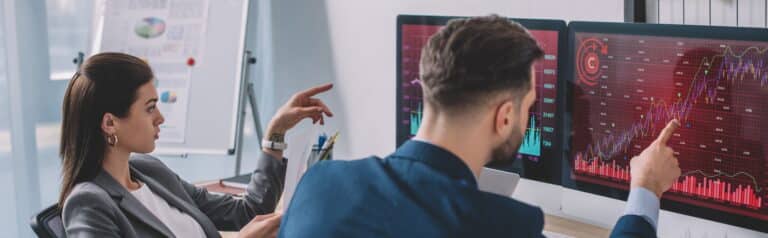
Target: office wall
[[352, 44], [7, 222], [745, 13]]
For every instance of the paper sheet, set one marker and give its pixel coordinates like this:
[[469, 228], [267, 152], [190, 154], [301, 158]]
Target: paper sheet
[[169, 35]]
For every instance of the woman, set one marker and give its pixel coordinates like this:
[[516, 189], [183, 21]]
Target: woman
[[109, 112]]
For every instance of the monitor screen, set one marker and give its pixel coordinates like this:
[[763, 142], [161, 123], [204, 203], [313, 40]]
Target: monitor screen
[[629, 80], [537, 157]]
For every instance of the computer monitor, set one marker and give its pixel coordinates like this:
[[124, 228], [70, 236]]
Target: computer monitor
[[626, 81], [538, 156]]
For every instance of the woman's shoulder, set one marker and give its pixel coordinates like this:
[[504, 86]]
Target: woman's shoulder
[[86, 194], [87, 189]]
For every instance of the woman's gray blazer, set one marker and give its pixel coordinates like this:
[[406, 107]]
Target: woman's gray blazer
[[102, 207]]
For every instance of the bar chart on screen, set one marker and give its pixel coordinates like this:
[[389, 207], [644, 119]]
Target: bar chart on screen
[[633, 85]]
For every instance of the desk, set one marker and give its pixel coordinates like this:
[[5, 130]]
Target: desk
[[217, 187], [573, 228], [551, 223]]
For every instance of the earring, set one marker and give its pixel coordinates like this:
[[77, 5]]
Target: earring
[[112, 139]]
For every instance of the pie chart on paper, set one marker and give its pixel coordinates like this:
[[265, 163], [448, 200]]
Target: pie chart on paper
[[150, 27], [168, 97]]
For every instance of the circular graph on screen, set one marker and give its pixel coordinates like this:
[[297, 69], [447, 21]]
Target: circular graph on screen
[[588, 60], [150, 27]]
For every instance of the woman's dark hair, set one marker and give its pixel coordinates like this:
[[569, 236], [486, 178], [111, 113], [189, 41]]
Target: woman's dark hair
[[105, 83]]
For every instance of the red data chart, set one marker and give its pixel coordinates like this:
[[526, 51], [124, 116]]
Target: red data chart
[[541, 132], [628, 87]]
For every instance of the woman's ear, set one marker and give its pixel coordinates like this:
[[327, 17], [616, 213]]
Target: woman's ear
[[109, 124]]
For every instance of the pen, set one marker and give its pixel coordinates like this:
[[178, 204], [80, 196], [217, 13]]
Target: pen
[[328, 146]]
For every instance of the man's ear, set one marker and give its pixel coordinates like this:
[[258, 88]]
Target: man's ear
[[506, 117], [109, 124]]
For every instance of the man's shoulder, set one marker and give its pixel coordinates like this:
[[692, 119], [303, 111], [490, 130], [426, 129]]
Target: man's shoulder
[[333, 192], [357, 166]]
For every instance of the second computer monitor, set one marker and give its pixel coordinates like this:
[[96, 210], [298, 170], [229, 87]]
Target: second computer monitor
[[539, 157], [629, 80]]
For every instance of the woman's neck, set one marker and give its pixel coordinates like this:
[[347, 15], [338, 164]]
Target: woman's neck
[[116, 164]]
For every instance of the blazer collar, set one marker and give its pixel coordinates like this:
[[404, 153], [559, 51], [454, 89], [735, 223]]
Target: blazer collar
[[133, 206], [438, 158], [129, 203]]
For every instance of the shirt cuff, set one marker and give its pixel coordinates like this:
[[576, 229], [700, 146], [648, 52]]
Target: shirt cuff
[[644, 203]]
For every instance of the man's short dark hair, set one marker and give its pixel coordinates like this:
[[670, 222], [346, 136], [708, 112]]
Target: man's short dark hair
[[471, 61]]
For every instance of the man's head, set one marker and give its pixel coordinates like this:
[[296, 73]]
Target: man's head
[[480, 70]]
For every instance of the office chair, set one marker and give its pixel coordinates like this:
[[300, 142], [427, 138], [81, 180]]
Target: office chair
[[48, 223]]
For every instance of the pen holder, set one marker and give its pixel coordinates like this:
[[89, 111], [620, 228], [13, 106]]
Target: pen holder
[[316, 153]]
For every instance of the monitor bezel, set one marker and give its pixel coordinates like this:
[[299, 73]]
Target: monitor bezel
[[532, 24], [661, 30]]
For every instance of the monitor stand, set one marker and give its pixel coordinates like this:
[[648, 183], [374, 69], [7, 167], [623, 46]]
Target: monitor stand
[[544, 195], [498, 182]]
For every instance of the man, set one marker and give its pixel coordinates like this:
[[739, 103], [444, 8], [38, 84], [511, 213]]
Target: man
[[478, 82]]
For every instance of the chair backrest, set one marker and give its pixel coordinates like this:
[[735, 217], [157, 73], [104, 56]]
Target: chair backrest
[[48, 223]]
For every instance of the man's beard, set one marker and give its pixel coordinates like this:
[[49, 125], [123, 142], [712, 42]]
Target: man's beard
[[508, 149]]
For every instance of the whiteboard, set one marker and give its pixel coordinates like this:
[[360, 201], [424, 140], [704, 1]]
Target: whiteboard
[[214, 80]]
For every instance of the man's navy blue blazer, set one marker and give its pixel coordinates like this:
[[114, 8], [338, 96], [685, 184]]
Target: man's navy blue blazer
[[419, 191]]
